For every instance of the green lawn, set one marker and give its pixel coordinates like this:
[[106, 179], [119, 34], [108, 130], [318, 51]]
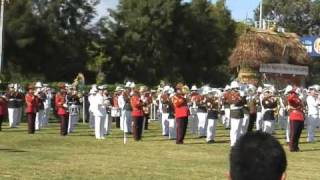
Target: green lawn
[[47, 155]]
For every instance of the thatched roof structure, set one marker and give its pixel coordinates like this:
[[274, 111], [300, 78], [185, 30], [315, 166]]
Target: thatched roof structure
[[260, 46]]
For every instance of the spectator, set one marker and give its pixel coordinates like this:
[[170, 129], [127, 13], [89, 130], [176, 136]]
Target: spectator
[[257, 156]]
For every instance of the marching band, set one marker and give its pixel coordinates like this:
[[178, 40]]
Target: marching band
[[240, 107]]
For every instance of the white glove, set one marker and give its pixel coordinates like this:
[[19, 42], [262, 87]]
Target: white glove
[[65, 105]]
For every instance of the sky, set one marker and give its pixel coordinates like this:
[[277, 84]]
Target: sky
[[240, 9]]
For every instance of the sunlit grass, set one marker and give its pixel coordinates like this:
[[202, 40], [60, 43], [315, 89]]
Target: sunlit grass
[[47, 155]]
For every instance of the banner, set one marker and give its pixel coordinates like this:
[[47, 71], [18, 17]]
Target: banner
[[312, 44], [284, 69]]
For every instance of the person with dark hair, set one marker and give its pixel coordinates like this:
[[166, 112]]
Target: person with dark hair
[[257, 155]]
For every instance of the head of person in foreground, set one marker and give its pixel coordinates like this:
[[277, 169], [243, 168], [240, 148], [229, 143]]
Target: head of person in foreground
[[257, 155]]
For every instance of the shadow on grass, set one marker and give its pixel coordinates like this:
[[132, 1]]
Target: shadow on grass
[[12, 150], [310, 150]]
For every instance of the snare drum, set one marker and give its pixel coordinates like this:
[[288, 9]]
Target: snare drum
[[115, 112]]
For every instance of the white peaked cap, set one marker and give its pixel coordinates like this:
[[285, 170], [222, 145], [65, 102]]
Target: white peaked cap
[[227, 87], [234, 84], [38, 85], [166, 88], [128, 84], [194, 88], [288, 89]]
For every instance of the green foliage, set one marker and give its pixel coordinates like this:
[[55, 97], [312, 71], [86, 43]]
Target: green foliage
[[299, 16], [142, 40], [167, 39]]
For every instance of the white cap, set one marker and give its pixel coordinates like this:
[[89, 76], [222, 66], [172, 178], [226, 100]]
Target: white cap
[[128, 84], [288, 89], [205, 90], [166, 88], [102, 87], [118, 88], [132, 85], [234, 85], [38, 85], [194, 88], [227, 88]]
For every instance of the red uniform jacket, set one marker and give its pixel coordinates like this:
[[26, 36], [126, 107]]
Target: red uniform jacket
[[59, 101], [296, 110], [3, 106], [31, 103], [180, 107], [136, 105]]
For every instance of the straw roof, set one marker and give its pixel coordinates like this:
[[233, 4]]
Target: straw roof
[[256, 47]]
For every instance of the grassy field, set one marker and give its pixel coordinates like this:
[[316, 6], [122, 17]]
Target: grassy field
[[47, 155]]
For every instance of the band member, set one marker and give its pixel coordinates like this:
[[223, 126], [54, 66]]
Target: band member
[[108, 121], [99, 108], [252, 104], [92, 94], [202, 113], [313, 113], [147, 101], [41, 97], [14, 103], [165, 101], [236, 112], [269, 104], [3, 109], [259, 122], [47, 103], [73, 108], [31, 108], [181, 113], [115, 111], [137, 115], [245, 120], [213, 110], [193, 109], [61, 105], [171, 118], [20, 101], [226, 107], [124, 104], [296, 117]]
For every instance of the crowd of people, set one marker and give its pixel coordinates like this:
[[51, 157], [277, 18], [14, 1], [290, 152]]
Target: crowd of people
[[240, 107]]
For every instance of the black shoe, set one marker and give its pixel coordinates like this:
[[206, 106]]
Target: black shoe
[[210, 142], [166, 135], [202, 136]]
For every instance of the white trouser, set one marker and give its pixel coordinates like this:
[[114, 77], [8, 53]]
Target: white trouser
[[194, 123], [211, 129], [13, 116], [172, 128], [91, 119], [99, 126], [245, 124], [288, 130], [259, 121], [226, 119], [125, 121], [165, 123], [202, 125], [39, 120], [107, 125], [73, 120], [268, 126], [235, 130], [311, 127]]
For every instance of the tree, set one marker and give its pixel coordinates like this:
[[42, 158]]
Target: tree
[[299, 16], [48, 37], [160, 39]]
